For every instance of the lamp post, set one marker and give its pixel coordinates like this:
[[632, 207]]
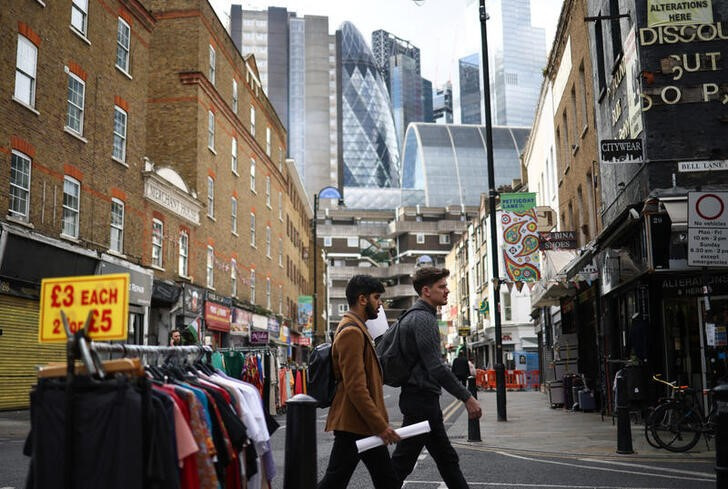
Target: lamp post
[[500, 371], [324, 193]]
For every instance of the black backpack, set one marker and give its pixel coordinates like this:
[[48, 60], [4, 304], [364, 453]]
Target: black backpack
[[396, 367], [321, 382]]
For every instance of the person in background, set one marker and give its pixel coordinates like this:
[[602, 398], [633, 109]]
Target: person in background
[[460, 367], [358, 409], [175, 338], [419, 399]]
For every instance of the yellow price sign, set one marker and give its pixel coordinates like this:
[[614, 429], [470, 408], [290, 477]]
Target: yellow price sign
[[105, 297]]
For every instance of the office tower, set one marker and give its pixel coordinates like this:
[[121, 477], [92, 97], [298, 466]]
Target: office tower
[[470, 94], [520, 56], [296, 60], [427, 115], [442, 104], [399, 63], [368, 142]]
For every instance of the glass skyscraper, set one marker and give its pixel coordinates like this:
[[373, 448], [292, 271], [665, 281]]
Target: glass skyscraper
[[470, 96], [368, 142], [516, 71]]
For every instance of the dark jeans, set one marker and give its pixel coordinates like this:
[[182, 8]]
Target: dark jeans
[[420, 406], [344, 458]]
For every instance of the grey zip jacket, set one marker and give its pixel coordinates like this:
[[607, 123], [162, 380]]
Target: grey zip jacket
[[420, 340]]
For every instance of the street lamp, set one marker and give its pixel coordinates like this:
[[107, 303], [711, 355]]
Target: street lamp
[[324, 193], [500, 370]]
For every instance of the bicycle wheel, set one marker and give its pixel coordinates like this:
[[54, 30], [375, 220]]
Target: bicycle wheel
[[649, 425], [676, 428]]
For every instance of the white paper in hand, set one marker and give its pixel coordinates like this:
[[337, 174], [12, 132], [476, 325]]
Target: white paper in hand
[[405, 432], [378, 326]]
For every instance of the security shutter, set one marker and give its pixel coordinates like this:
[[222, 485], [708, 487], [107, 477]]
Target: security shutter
[[20, 351]]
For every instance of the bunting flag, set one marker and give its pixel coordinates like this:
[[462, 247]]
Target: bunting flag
[[510, 286], [519, 286], [520, 236], [530, 285]]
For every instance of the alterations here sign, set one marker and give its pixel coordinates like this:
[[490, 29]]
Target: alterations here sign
[[106, 297]]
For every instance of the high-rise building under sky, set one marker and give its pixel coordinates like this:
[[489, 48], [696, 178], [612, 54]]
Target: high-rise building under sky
[[516, 71], [470, 94], [296, 62], [367, 138]]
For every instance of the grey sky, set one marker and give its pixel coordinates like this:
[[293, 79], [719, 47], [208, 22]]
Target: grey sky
[[444, 30]]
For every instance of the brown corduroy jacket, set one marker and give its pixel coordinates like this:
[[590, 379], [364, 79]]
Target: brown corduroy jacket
[[358, 406]]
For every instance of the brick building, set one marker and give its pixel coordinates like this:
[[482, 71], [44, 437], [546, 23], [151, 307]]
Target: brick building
[[135, 138]]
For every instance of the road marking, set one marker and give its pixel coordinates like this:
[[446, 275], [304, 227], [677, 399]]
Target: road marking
[[650, 467], [604, 469], [511, 485], [450, 410]]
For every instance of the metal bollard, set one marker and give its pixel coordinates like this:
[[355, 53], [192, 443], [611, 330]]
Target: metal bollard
[[624, 429], [721, 440], [473, 424], [300, 470]]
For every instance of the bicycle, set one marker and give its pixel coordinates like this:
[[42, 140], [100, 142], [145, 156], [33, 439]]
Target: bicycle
[[677, 422]]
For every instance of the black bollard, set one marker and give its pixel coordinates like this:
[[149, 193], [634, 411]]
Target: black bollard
[[473, 424], [721, 440], [300, 471], [624, 429]]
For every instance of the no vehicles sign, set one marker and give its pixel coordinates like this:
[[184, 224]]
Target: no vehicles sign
[[707, 229], [105, 297]]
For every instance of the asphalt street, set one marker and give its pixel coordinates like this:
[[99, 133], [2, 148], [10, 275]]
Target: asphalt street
[[521, 455]]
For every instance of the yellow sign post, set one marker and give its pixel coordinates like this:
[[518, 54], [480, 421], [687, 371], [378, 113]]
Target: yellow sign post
[[105, 297]]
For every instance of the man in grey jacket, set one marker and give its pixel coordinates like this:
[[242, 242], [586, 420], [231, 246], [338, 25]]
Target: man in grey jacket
[[420, 396]]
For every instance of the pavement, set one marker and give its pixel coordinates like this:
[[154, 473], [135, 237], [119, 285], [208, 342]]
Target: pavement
[[533, 426]]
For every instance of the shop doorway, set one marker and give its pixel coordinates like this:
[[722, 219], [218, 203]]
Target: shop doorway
[[682, 341], [714, 325]]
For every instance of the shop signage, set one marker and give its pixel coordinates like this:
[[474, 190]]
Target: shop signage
[[285, 334], [708, 165], [258, 337], [304, 341], [140, 283], [193, 300], [679, 12], [707, 229], [621, 150], [464, 331], [240, 322], [562, 240], [105, 297], [274, 327], [260, 322], [305, 312], [217, 315]]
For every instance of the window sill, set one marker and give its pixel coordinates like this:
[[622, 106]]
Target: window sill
[[76, 135], [253, 190], [121, 162], [269, 206], [566, 170], [212, 218], [20, 221], [25, 106], [187, 278], [124, 72], [212, 150], [80, 35], [116, 253], [68, 237], [41, 3], [235, 172], [157, 267], [235, 234], [252, 245], [583, 131], [574, 149]]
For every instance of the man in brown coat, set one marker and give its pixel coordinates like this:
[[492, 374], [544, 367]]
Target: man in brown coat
[[358, 408]]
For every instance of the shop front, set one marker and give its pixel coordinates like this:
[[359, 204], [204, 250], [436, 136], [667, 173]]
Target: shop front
[[165, 297], [217, 320], [240, 325], [188, 315], [141, 283]]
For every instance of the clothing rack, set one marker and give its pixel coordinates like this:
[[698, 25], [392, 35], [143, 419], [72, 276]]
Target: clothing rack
[[246, 349], [125, 349]]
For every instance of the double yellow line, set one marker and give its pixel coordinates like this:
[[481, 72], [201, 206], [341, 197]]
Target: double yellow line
[[451, 409]]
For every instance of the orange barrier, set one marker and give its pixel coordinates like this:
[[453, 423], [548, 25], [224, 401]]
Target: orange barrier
[[481, 381], [515, 380], [533, 379]]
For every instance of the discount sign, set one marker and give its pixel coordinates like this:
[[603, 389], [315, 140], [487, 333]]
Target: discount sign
[[105, 297]]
